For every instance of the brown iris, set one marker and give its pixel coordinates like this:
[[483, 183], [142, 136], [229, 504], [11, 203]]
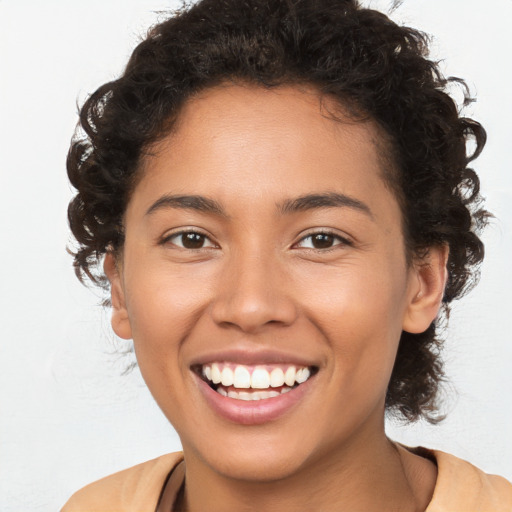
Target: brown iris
[[322, 240], [192, 240]]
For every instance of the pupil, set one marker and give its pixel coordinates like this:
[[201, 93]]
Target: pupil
[[192, 240], [322, 241]]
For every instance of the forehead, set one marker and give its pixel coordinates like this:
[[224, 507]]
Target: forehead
[[240, 110], [250, 141]]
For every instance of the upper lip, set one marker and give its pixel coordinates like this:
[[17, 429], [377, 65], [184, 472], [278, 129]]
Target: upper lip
[[254, 356]]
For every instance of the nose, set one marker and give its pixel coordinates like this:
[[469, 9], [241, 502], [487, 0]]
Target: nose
[[253, 294]]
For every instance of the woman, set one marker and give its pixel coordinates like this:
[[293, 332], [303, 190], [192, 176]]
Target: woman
[[281, 195]]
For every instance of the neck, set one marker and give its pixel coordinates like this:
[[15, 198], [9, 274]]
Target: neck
[[363, 475]]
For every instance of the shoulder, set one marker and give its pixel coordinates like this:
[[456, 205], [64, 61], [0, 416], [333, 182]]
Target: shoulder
[[461, 487], [136, 489]]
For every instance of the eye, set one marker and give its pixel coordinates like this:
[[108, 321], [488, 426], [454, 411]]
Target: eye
[[189, 240], [322, 240]]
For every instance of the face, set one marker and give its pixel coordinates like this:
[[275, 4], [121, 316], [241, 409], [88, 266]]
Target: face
[[264, 250]]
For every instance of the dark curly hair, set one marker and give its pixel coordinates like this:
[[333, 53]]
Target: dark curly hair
[[369, 64]]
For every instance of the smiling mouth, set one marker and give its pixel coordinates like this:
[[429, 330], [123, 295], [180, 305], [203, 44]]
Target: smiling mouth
[[254, 382]]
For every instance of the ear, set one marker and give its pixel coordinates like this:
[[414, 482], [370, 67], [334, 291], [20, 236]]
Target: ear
[[427, 283], [120, 320]]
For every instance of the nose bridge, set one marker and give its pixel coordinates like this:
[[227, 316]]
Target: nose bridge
[[252, 290]]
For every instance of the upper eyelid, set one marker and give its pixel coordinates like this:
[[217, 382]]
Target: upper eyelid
[[186, 229]]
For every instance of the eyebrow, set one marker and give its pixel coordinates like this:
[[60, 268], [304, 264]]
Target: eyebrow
[[323, 200], [187, 202], [303, 203]]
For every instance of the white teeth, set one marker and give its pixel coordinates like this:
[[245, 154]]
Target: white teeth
[[260, 379], [276, 378], [252, 395], [242, 377], [216, 376], [302, 375], [289, 376], [227, 377]]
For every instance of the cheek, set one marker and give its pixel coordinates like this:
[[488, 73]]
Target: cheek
[[162, 303], [356, 297], [163, 309], [360, 313]]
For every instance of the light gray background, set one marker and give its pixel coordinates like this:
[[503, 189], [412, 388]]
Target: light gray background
[[67, 415]]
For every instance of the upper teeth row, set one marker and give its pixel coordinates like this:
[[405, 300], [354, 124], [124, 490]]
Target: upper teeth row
[[260, 378]]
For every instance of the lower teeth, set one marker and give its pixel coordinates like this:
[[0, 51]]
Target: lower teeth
[[253, 395]]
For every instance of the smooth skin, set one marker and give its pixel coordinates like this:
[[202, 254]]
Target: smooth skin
[[329, 283]]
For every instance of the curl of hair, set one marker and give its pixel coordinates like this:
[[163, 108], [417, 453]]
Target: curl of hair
[[372, 66]]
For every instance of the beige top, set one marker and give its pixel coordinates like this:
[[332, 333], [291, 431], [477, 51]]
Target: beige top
[[460, 487]]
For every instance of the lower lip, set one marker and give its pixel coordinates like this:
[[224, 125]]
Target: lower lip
[[253, 412]]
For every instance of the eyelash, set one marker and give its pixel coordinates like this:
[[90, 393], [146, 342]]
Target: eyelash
[[341, 241], [169, 239]]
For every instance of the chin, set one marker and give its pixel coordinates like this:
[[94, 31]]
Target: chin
[[252, 458], [257, 467]]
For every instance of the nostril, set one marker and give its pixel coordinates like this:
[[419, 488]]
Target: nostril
[[252, 294], [252, 315]]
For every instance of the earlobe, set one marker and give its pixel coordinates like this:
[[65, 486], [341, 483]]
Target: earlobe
[[428, 282], [120, 320]]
